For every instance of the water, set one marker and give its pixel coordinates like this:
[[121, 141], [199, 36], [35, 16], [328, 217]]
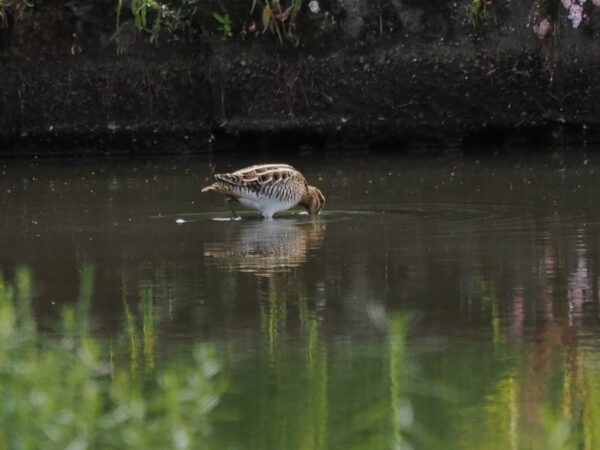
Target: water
[[446, 302]]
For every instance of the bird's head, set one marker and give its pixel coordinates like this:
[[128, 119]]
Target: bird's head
[[314, 201]]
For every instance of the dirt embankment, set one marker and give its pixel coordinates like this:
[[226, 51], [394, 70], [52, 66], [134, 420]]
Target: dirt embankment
[[376, 74]]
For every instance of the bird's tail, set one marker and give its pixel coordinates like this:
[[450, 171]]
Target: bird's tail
[[212, 187]]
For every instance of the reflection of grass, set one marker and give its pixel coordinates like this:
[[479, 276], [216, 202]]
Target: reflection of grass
[[320, 395], [402, 409], [314, 392], [67, 393], [591, 411]]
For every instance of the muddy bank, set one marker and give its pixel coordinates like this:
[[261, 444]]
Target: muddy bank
[[362, 74]]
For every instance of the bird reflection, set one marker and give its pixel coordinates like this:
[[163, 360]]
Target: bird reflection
[[266, 248]]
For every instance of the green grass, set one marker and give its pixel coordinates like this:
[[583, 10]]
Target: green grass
[[68, 391]]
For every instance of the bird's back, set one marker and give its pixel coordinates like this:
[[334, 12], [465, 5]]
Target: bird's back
[[278, 182]]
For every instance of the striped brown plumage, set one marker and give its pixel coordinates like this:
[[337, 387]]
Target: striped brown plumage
[[269, 188]]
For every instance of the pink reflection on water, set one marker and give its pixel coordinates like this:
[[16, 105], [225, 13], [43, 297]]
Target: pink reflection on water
[[542, 28], [579, 285], [576, 14], [518, 312], [551, 271]]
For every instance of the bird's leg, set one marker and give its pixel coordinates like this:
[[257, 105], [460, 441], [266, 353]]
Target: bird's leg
[[231, 201]]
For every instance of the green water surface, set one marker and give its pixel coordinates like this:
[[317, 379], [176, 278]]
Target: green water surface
[[437, 303]]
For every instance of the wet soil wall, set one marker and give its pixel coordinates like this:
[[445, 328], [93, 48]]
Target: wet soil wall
[[387, 73]]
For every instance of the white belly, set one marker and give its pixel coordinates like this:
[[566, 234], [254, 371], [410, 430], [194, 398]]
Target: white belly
[[266, 206]]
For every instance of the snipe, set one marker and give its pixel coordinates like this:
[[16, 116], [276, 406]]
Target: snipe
[[269, 188]]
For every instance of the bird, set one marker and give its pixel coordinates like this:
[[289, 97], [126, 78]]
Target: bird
[[264, 249], [269, 188]]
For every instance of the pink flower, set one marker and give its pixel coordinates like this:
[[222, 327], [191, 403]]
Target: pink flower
[[567, 3], [596, 2], [543, 28], [575, 14]]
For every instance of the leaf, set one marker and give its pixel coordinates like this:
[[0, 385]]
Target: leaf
[[139, 9], [119, 8], [283, 16], [267, 15], [155, 31], [253, 6], [219, 17]]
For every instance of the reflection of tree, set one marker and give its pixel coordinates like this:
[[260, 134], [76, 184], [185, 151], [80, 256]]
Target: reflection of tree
[[554, 350], [268, 247], [551, 400], [579, 282]]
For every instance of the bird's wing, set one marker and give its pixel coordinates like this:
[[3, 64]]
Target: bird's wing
[[261, 168]]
